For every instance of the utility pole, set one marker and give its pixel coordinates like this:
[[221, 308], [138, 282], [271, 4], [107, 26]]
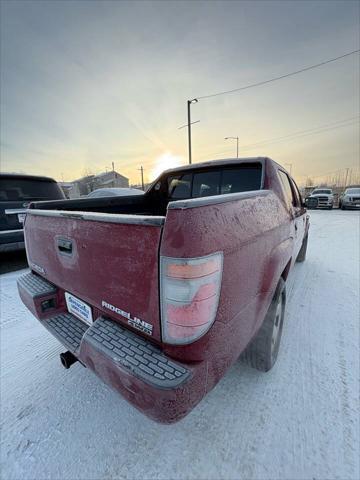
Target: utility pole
[[189, 128], [347, 173], [142, 177], [189, 102], [113, 177]]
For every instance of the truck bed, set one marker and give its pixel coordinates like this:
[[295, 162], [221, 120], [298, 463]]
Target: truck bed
[[133, 205]]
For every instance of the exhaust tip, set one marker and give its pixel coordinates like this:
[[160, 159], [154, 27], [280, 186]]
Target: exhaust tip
[[67, 359]]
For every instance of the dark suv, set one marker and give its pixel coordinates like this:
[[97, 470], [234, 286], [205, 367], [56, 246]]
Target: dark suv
[[16, 192]]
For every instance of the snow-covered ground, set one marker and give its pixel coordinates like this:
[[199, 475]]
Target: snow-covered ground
[[299, 421]]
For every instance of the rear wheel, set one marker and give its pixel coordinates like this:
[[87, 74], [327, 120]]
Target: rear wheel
[[264, 348]]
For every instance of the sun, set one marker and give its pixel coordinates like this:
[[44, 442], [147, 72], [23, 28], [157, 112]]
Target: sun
[[164, 162]]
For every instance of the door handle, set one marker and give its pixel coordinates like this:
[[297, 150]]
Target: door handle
[[65, 246]]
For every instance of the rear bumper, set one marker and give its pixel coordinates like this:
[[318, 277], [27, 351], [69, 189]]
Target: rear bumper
[[163, 389], [11, 240]]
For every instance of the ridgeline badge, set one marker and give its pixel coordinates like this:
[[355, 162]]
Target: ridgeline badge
[[132, 321]]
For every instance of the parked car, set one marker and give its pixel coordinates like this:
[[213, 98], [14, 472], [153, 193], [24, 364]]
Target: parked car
[[350, 199], [160, 294], [320, 198], [115, 192], [16, 192]]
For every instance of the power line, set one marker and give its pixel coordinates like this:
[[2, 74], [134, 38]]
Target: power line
[[300, 133], [304, 132], [296, 135], [334, 172], [151, 162], [305, 69]]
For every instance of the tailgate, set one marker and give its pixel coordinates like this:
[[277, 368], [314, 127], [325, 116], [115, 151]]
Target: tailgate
[[108, 261]]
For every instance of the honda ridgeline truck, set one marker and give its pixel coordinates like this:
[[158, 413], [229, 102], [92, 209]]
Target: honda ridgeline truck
[[160, 294]]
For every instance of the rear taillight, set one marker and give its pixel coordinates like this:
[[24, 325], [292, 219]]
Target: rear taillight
[[189, 291]]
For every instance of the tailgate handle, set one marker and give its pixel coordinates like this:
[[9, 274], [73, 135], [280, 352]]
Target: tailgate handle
[[64, 246]]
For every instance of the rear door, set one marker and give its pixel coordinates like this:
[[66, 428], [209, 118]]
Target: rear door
[[296, 210], [299, 214], [108, 261]]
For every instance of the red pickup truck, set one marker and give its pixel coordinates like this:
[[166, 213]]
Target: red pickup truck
[[159, 294]]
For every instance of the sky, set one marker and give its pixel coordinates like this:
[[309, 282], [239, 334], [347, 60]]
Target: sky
[[87, 83]]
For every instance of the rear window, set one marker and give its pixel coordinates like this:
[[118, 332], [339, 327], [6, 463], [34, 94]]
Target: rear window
[[241, 179], [19, 189], [179, 186], [215, 182], [206, 184]]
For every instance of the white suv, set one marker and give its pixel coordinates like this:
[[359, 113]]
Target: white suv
[[350, 199], [324, 198]]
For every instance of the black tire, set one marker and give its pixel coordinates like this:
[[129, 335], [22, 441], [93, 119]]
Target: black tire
[[342, 207], [263, 350], [302, 253]]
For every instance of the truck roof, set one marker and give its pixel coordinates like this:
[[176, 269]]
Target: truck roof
[[217, 163], [23, 176]]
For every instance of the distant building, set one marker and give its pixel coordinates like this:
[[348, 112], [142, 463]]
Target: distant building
[[71, 190], [87, 184], [110, 179], [84, 185]]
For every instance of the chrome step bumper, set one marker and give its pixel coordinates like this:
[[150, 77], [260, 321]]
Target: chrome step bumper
[[118, 346], [134, 353]]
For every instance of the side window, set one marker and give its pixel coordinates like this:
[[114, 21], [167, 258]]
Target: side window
[[179, 187], [206, 184], [286, 187]]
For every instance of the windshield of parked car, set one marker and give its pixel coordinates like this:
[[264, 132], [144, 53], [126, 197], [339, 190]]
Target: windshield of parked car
[[352, 191], [324, 191], [18, 189]]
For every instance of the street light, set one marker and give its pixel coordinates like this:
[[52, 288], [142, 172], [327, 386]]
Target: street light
[[237, 144]]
